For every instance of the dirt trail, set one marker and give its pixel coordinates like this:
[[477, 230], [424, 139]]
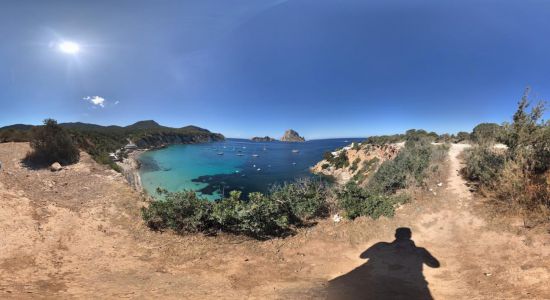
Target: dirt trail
[[77, 233], [477, 259]]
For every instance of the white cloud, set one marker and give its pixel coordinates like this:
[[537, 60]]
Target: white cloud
[[96, 100], [117, 102]]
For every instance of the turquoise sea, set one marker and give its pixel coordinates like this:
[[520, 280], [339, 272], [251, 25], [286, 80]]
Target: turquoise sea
[[215, 168]]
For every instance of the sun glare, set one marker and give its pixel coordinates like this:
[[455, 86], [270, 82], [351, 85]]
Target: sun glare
[[69, 47]]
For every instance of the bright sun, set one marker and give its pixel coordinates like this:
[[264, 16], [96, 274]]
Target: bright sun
[[69, 47]]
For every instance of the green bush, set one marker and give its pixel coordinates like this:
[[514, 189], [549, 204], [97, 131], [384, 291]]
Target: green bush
[[51, 143], [520, 175], [261, 216], [355, 164], [341, 160], [306, 198], [328, 156], [356, 201], [486, 133], [483, 164], [181, 212], [409, 166], [462, 136]]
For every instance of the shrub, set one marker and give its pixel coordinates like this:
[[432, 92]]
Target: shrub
[[341, 160], [385, 139], [181, 212], [389, 178], [518, 176], [306, 198], [409, 166], [51, 143], [483, 164], [328, 156], [258, 217], [486, 133], [261, 216], [355, 164], [356, 201], [462, 136]]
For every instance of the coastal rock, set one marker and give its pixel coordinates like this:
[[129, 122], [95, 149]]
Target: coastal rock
[[355, 162], [292, 136], [263, 139], [56, 167]]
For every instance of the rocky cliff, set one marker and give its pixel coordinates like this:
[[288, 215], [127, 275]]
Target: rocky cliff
[[292, 136], [355, 162]]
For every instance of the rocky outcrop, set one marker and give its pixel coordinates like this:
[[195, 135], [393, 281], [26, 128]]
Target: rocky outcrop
[[355, 162], [160, 139], [263, 139], [130, 169], [292, 136]]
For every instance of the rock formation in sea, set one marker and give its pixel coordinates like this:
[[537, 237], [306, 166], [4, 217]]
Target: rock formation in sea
[[263, 139], [292, 136]]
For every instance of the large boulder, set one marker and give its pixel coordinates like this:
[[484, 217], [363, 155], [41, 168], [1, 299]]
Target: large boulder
[[292, 136], [56, 167]]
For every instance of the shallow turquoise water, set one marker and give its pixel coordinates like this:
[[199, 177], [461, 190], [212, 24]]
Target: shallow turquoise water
[[245, 165]]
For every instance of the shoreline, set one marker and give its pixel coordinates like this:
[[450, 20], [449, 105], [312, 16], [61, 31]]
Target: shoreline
[[130, 169]]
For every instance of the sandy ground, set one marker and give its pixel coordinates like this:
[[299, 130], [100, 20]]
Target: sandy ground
[[77, 233]]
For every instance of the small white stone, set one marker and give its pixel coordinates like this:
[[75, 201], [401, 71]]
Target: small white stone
[[55, 167]]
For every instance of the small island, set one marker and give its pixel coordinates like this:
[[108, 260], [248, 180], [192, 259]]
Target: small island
[[292, 136], [263, 139]]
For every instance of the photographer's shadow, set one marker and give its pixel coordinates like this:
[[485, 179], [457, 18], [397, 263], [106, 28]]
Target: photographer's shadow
[[393, 271]]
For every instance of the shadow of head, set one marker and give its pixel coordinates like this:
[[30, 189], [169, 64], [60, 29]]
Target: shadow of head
[[403, 233]]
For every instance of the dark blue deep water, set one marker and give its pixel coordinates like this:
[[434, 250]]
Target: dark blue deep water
[[234, 164]]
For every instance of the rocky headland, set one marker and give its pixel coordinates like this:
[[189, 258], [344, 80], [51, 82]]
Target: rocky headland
[[355, 162]]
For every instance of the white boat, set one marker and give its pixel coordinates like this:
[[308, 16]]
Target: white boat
[[240, 154], [255, 155], [295, 151], [220, 153], [259, 169]]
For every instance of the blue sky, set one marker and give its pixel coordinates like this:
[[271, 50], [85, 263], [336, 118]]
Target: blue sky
[[249, 67]]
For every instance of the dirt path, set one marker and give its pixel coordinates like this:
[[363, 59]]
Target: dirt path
[[477, 260], [77, 233]]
